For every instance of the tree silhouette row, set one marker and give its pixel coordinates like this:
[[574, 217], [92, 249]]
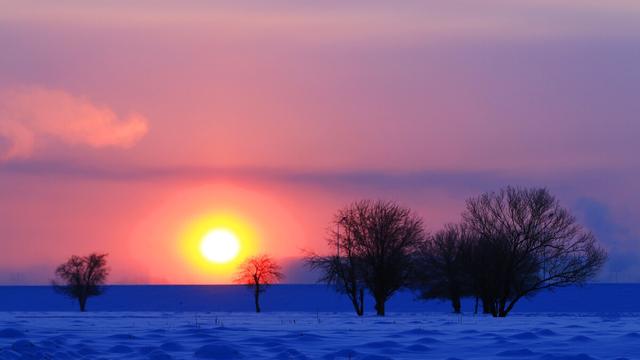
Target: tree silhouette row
[[508, 245]]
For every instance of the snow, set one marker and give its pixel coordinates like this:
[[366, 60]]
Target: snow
[[599, 321], [307, 335]]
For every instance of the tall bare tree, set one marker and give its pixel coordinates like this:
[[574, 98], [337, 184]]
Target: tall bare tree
[[374, 243], [440, 271], [526, 243], [258, 273], [82, 277], [482, 261], [343, 269]]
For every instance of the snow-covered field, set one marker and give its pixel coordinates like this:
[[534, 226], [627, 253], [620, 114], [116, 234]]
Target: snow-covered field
[[308, 335]]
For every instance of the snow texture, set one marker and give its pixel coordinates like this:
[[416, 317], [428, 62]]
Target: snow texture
[[307, 335]]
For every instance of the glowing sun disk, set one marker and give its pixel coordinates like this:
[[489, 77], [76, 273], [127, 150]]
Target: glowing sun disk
[[220, 246]]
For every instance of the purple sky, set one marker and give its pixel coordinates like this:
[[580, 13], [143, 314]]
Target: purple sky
[[118, 122]]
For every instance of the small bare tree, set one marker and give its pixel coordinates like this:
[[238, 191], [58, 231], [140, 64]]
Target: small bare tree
[[440, 271], [258, 273], [82, 277], [527, 243], [374, 243]]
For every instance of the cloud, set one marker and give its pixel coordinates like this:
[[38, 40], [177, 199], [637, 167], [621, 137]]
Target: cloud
[[31, 115], [467, 180]]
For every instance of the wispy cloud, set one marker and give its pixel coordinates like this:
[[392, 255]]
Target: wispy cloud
[[466, 180], [29, 116], [320, 177]]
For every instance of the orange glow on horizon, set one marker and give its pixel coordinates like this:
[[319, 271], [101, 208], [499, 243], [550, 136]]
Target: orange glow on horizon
[[165, 245]]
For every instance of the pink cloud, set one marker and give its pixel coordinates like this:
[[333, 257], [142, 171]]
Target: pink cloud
[[31, 115]]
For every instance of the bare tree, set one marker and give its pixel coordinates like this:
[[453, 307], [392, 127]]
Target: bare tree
[[258, 273], [440, 271], [526, 243], [481, 261], [82, 277], [374, 242], [342, 269], [485, 261]]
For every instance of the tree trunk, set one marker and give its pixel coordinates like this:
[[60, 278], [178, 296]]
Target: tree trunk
[[455, 302], [489, 306], [257, 299], [512, 304], [494, 308], [501, 309], [475, 310], [357, 296], [380, 307], [83, 303], [356, 306], [486, 306], [361, 311]]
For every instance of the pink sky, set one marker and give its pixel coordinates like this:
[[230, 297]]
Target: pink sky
[[120, 122]]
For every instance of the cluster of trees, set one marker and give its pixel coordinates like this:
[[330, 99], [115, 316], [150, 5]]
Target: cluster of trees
[[509, 245]]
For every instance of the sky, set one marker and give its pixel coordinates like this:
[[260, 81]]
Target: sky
[[130, 127]]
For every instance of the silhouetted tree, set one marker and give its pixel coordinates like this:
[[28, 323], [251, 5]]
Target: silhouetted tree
[[526, 242], [481, 259], [258, 273], [374, 242], [342, 269], [440, 266], [485, 260], [82, 277]]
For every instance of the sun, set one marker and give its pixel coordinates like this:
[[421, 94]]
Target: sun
[[214, 244], [220, 246]]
